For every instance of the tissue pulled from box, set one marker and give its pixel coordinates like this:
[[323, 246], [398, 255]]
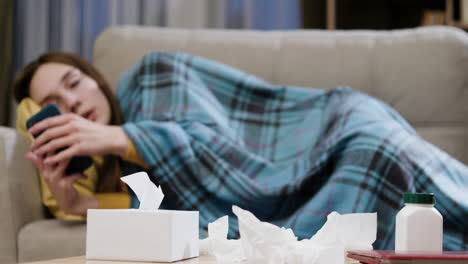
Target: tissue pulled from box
[[149, 195], [262, 242]]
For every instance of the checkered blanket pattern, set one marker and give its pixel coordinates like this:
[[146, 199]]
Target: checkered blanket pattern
[[213, 136]]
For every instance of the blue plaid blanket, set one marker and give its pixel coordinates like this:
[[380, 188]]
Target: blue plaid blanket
[[213, 136]]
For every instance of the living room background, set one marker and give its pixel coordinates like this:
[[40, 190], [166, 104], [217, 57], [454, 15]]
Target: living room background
[[31, 27], [72, 26]]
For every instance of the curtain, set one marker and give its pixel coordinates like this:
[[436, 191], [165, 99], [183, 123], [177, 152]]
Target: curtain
[[73, 25], [6, 46]]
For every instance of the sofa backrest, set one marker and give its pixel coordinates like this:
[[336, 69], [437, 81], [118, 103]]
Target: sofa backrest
[[421, 72]]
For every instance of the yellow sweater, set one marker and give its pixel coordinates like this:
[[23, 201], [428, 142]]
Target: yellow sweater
[[87, 186]]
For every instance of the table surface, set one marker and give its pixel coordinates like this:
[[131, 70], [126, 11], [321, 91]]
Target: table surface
[[83, 260]]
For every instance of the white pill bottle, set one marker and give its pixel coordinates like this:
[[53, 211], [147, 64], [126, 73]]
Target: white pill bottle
[[418, 224]]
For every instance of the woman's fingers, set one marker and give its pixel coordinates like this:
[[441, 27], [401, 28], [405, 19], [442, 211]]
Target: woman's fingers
[[34, 158], [64, 155], [51, 134], [52, 122], [56, 144], [54, 172], [78, 137], [47, 172]]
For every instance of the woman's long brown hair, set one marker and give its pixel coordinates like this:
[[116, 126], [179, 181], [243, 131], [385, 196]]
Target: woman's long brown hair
[[109, 174]]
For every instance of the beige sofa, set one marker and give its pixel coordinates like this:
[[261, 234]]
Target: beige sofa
[[422, 72]]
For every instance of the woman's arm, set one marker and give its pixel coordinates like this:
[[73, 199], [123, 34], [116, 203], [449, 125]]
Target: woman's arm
[[67, 197]]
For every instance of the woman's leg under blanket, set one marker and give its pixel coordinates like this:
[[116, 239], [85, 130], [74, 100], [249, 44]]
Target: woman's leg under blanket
[[376, 157]]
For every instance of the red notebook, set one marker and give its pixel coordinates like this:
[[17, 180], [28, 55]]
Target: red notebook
[[391, 257]]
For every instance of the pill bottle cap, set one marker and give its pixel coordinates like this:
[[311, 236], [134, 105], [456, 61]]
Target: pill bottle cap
[[419, 198]]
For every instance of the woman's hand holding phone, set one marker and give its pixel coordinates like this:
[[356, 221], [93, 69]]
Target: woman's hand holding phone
[[61, 186], [80, 137], [74, 136], [77, 164]]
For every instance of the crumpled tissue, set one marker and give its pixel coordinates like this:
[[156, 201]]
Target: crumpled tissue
[[262, 242]]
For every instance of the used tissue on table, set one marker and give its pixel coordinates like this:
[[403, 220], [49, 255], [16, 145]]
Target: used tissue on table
[[262, 242], [144, 234]]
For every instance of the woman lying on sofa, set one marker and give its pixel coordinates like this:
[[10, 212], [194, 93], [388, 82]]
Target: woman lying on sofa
[[213, 136]]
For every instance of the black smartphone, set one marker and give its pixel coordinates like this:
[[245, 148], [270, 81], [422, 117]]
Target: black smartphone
[[77, 164]]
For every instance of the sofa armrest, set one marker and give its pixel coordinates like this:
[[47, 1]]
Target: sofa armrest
[[20, 201]]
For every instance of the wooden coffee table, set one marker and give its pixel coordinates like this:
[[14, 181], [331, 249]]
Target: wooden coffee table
[[83, 260]]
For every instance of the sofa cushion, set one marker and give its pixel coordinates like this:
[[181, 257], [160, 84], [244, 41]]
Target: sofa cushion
[[439, 135], [420, 72], [20, 200], [47, 239]]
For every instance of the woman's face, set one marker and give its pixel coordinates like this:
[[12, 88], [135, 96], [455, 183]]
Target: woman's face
[[72, 91]]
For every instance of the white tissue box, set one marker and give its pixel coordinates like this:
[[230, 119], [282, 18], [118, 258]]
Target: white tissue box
[[139, 235]]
